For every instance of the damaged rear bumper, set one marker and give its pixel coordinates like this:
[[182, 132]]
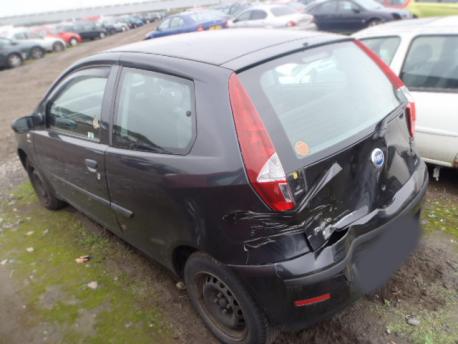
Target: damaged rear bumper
[[359, 262]]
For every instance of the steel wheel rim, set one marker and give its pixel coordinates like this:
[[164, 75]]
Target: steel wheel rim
[[36, 53], [220, 306], [73, 42]]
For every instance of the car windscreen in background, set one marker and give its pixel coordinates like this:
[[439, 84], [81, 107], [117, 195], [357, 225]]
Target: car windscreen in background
[[315, 100]]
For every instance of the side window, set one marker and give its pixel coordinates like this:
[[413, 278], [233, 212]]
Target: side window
[[176, 23], [155, 113], [164, 25], [244, 16], [258, 15], [432, 63], [347, 6], [329, 7], [385, 47], [77, 107]]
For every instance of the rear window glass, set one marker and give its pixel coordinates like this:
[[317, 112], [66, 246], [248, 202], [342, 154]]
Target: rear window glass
[[432, 64], [282, 11], [320, 97], [385, 47]]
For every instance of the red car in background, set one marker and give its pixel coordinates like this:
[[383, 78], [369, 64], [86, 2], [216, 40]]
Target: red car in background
[[71, 38]]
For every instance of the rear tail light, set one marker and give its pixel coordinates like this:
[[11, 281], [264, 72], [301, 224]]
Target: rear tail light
[[291, 23], [200, 28], [264, 169], [402, 91]]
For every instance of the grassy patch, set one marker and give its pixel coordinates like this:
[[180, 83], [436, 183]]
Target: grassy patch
[[41, 248], [441, 214]]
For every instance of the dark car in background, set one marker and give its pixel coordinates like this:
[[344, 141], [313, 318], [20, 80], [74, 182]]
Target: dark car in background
[[132, 21], [274, 171], [87, 30], [13, 53], [352, 15], [190, 22]]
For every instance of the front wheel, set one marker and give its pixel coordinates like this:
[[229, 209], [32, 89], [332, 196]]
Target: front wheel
[[43, 189], [224, 305], [58, 46], [102, 35], [73, 42]]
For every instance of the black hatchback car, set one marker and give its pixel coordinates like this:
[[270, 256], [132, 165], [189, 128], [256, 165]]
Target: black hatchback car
[[275, 172]]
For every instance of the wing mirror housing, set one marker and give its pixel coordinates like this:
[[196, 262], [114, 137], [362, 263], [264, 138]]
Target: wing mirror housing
[[27, 123]]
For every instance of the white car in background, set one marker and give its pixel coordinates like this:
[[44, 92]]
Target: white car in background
[[49, 44], [424, 53], [273, 16]]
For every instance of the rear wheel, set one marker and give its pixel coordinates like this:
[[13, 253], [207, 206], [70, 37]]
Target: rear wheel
[[102, 35], [224, 305], [37, 53], [58, 46], [14, 60], [43, 189], [73, 42]]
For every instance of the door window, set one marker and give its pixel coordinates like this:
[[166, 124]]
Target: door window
[[432, 64], [244, 16], [385, 47], [347, 6], [176, 23], [77, 108], [258, 15], [155, 113], [329, 7], [164, 25]]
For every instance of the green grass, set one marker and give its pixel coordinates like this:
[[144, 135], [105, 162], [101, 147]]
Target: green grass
[[441, 214], [118, 312]]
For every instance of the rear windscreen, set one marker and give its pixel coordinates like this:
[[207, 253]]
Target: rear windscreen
[[320, 97]]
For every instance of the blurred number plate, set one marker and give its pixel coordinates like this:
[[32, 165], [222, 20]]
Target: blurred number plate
[[216, 27]]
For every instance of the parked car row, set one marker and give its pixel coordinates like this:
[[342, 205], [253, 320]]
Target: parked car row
[[21, 43], [345, 16]]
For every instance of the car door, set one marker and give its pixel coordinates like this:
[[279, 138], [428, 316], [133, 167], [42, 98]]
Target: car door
[[351, 16], [258, 18], [325, 15], [163, 29], [71, 148], [153, 130], [177, 26], [430, 71]]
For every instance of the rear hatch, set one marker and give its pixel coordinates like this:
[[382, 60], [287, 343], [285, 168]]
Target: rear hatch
[[342, 130]]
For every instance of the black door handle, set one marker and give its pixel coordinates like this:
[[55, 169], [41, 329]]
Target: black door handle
[[91, 165]]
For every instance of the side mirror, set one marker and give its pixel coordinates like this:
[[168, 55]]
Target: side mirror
[[27, 123], [357, 10]]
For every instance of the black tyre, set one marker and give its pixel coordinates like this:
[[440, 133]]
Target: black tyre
[[58, 46], [225, 306], [73, 42], [37, 53], [43, 189], [14, 60]]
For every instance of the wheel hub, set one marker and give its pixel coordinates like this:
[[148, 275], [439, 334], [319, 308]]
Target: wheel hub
[[222, 305]]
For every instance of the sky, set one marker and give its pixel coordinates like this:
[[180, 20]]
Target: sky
[[14, 7]]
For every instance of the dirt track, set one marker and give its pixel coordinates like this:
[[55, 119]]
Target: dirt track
[[418, 289]]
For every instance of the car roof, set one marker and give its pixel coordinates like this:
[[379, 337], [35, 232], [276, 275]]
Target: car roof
[[432, 25], [220, 47]]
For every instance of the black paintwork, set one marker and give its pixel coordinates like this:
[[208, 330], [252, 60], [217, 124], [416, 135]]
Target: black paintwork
[[161, 203]]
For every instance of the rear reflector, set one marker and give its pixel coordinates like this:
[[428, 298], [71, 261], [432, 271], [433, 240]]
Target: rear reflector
[[263, 166], [402, 91], [313, 300]]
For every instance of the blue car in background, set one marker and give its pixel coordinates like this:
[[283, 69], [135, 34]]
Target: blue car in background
[[190, 22]]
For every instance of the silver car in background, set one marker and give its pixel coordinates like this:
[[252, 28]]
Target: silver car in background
[[424, 53], [273, 16]]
